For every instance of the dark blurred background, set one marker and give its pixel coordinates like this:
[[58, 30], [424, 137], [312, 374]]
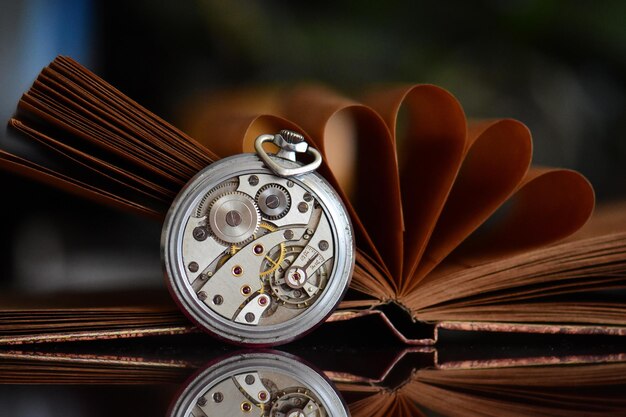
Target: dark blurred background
[[559, 66]]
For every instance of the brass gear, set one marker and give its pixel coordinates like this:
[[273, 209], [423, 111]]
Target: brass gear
[[282, 251], [274, 263]]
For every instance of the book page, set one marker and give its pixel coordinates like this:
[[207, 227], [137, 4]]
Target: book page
[[563, 283]]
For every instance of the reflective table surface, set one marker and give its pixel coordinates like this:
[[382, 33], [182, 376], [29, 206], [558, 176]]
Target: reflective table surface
[[329, 373]]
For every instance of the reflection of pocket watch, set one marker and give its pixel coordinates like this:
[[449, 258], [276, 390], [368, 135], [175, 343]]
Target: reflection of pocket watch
[[259, 249], [267, 384]]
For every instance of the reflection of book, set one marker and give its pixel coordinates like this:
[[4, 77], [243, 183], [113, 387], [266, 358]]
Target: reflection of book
[[413, 382], [39, 367], [539, 390], [418, 382], [420, 193]]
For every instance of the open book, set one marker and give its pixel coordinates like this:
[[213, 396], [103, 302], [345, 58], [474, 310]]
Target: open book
[[452, 222]]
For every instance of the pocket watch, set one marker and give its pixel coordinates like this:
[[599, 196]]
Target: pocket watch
[[261, 383], [258, 248]]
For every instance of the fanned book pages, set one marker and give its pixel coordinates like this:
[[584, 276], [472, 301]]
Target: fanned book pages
[[26, 319], [452, 222]]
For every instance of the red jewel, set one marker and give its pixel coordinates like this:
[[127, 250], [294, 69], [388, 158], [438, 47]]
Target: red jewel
[[246, 290], [237, 270], [258, 249]]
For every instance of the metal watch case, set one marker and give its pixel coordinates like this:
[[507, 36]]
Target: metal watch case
[[254, 257], [267, 384]]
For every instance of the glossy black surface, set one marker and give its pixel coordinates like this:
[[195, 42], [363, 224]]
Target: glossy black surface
[[383, 364]]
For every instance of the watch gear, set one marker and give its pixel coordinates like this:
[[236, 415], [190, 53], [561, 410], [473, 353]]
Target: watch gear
[[233, 218], [274, 256], [274, 201], [296, 402], [303, 294], [273, 259], [205, 202]]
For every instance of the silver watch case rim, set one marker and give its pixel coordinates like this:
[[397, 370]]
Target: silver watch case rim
[[245, 361], [174, 269]]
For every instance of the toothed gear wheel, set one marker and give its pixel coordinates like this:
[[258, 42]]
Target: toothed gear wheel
[[274, 201], [234, 218], [301, 296], [274, 258], [297, 401], [205, 202]]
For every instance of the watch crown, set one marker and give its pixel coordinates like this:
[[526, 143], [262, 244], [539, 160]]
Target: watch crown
[[291, 137]]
